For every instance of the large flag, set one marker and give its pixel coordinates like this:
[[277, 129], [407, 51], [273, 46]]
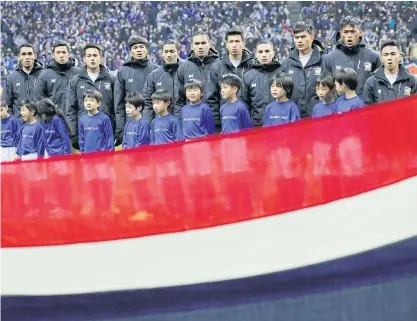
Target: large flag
[[316, 220]]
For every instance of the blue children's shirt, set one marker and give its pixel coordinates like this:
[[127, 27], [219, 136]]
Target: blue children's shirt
[[57, 140], [344, 105], [32, 140], [10, 132], [235, 117], [279, 113], [197, 120], [321, 109], [95, 133], [166, 129], [136, 133]]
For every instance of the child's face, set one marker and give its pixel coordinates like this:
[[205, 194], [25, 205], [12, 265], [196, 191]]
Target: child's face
[[3, 112], [277, 91], [26, 113], [340, 88], [91, 104], [193, 94], [323, 92], [131, 110], [228, 91], [160, 106]]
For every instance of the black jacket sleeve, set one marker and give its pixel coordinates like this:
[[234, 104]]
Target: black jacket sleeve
[[72, 106], [368, 94], [119, 107], [181, 98], [148, 90], [213, 93]]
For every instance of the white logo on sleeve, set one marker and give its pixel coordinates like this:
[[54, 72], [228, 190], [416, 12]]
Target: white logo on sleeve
[[368, 66], [159, 83], [190, 76], [53, 80], [82, 87], [17, 84], [290, 72], [338, 67], [130, 80], [253, 85]]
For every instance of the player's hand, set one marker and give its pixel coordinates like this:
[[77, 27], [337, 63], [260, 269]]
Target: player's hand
[[74, 142], [119, 140]]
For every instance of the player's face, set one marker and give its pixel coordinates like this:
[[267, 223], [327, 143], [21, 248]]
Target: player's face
[[201, 45], [390, 57], [3, 112], [131, 110], [323, 92], [27, 57], [160, 107], [139, 52], [193, 94], [265, 54], [277, 91], [235, 44], [227, 91], [170, 54], [61, 54], [350, 35], [26, 113], [303, 41], [92, 58], [91, 104]]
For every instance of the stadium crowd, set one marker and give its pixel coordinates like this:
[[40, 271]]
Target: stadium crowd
[[173, 84], [112, 23]]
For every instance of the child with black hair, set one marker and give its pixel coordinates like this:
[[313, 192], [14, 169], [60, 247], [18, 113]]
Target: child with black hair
[[234, 114], [197, 117], [137, 129], [94, 129], [282, 110], [165, 127], [346, 80], [10, 134], [325, 90], [57, 132], [32, 138]]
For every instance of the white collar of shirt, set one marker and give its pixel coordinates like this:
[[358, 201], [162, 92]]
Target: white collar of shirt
[[306, 58]]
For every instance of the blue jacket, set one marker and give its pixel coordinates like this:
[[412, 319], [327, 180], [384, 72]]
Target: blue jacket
[[321, 109], [95, 133], [279, 113], [32, 140], [10, 132], [57, 140], [136, 133], [166, 129], [197, 120], [344, 105], [235, 117]]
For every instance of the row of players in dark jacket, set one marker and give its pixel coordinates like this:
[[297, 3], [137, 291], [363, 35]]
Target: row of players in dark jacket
[[65, 84]]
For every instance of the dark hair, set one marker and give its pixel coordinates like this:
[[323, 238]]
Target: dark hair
[[326, 79], [60, 43], [388, 43], [231, 80], [93, 94], [26, 45], [265, 42], [137, 40], [349, 21], [347, 76], [235, 31], [302, 26], [162, 94], [171, 42], [92, 45], [200, 33], [47, 110], [135, 99], [285, 82], [194, 83], [30, 104]]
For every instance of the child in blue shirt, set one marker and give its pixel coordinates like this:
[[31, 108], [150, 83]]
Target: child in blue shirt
[[234, 114], [57, 131], [137, 129], [32, 138], [165, 127], [325, 89], [197, 117], [282, 110], [10, 134], [95, 129], [346, 80]]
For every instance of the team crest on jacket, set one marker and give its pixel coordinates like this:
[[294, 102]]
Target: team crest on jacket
[[107, 86], [407, 91], [379, 91], [368, 66], [317, 71]]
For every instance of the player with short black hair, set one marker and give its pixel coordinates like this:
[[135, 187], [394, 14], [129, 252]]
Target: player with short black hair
[[346, 80]]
